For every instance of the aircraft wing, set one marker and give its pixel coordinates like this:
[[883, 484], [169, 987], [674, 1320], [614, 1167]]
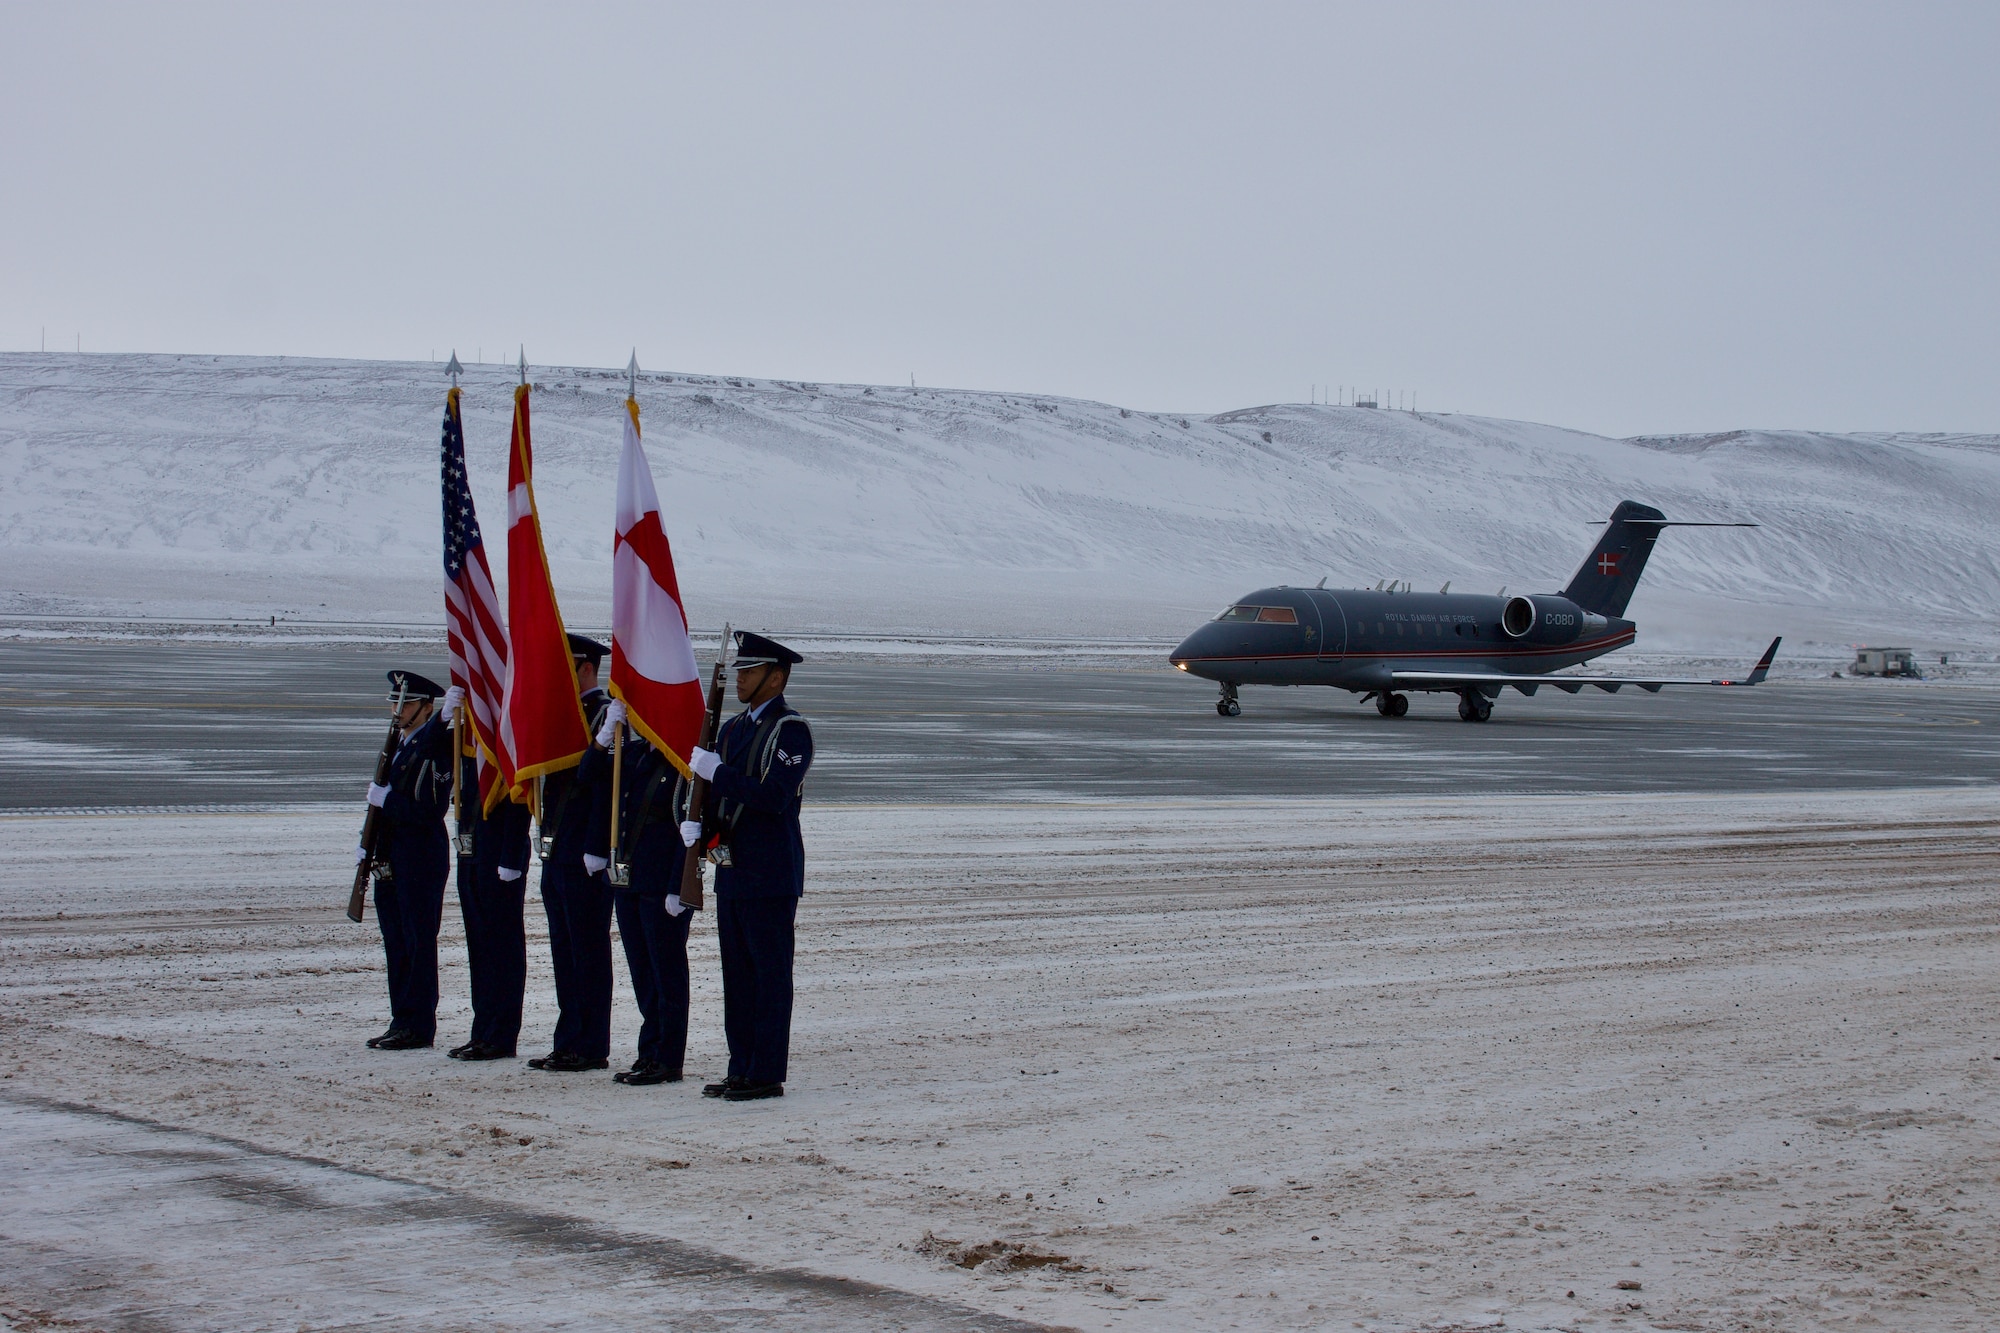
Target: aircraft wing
[[1569, 683]]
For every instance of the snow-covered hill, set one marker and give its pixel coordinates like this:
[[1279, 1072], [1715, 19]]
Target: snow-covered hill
[[200, 486]]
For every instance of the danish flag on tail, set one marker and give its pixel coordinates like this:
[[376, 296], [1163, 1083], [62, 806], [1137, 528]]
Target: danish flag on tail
[[652, 658], [473, 628], [542, 729]]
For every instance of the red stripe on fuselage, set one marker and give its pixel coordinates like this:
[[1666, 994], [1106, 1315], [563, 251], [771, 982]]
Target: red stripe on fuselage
[[1593, 647]]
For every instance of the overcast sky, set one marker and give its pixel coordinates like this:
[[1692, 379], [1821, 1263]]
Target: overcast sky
[[1620, 217]]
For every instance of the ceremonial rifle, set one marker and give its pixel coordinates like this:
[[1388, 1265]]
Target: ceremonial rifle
[[371, 823], [698, 786]]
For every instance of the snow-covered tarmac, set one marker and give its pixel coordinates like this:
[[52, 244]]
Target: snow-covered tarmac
[[1389, 1064]]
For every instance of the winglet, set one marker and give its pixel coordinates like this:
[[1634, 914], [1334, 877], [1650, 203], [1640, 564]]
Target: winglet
[[1762, 669]]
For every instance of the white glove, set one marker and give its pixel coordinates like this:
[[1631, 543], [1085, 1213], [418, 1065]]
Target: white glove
[[614, 717], [704, 763], [674, 905], [509, 876], [594, 864], [377, 793], [453, 697], [690, 831], [360, 855]]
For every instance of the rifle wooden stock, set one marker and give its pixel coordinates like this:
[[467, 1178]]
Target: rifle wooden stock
[[371, 823], [698, 786]]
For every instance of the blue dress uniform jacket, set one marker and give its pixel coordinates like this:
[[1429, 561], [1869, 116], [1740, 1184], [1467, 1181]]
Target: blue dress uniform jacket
[[655, 943], [757, 894], [757, 809], [576, 812], [409, 903], [496, 945]]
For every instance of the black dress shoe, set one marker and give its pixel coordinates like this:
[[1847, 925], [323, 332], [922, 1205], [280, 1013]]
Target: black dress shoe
[[653, 1072], [542, 1061], [752, 1092], [479, 1050], [402, 1041], [718, 1089], [393, 1031], [562, 1062], [459, 1050]]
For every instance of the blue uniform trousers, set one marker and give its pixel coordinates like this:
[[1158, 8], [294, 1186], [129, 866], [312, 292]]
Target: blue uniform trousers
[[656, 955], [496, 949], [408, 908], [578, 905], [755, 936]]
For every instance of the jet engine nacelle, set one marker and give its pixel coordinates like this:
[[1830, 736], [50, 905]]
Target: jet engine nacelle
[[1545, 619]]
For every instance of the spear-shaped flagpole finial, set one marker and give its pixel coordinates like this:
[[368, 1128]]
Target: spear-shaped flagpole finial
[[632, 375], [454, 369], [524, 363]]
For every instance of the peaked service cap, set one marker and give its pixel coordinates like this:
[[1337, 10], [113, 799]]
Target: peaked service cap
[[756, 650], [584, 649], [413, 685]]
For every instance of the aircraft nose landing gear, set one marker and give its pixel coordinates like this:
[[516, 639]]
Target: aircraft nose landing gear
[[1474, 706], [1227, 706]]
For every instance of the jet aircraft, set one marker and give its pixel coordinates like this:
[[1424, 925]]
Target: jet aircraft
[[1385, 642]]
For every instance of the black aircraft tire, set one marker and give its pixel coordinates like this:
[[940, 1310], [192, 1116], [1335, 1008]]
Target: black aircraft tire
[[1383, 706], [1466, 713], [1228, 708], [1399, 704]]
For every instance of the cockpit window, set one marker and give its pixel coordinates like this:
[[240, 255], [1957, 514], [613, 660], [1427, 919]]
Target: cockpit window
[[1269, 615]]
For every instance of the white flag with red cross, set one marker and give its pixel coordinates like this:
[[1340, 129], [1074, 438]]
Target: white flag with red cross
[[652, 658]]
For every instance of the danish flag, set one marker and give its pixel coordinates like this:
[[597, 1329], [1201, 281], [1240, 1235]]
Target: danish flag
[[542, 729], [652, 659], [1607, 564]]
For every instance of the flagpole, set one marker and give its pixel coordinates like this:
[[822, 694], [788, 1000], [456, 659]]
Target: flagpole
[[453, 369], [622, 874]]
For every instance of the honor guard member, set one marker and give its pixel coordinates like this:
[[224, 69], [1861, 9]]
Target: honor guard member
[[652, 922], [492, 885], [413, 847], [576, 892], [751, 826]]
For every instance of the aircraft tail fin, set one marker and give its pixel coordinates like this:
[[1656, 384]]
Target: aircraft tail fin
[[1605, 582]]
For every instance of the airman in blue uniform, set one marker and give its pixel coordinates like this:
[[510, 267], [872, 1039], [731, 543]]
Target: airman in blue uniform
[[413, 847], [752, 817], [652, 922], [492, 885], [576, 893]]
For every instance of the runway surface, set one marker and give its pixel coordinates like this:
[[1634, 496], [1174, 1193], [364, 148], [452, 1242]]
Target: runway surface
[[143, 724]]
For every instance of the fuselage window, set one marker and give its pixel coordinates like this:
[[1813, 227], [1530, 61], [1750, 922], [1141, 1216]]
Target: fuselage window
[[1240, 613], [1278, 615]]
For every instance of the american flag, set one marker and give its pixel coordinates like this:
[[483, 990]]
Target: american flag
[[472, 611]]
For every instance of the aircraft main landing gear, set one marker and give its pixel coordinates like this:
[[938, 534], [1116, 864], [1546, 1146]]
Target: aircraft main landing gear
[[1392, 705], [1474, 706], [1227, 706]]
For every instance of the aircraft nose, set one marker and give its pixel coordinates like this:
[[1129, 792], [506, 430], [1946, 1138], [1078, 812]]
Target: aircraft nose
[[1194, 647]]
